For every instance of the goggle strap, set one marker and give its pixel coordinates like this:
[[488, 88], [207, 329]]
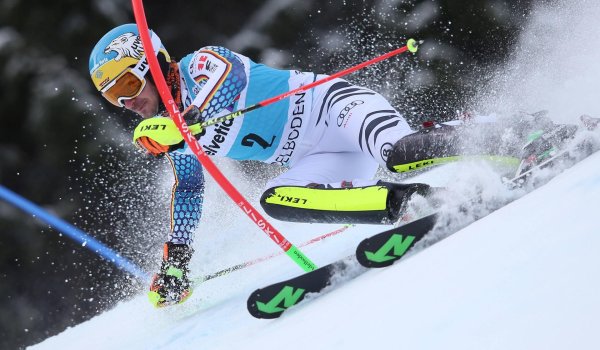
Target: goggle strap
[[141, 68]]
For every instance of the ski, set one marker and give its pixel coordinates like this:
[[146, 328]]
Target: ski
[[273, 300], [569, 153]]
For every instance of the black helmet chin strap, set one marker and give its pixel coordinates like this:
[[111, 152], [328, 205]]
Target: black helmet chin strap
[[163, 63], [172, 78]]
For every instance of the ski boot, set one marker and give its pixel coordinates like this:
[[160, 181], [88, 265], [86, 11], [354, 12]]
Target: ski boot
[[171, 285], [590, 123], [400, 196], [543, 147]]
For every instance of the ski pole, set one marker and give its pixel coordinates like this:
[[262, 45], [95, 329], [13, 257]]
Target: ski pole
[[291, 250], [249, 263], [411, 45]]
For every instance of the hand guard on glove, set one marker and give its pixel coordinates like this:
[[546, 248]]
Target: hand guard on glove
[[160, 135], [171, 285]]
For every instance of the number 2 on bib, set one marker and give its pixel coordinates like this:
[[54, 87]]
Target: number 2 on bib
[[250, 139]]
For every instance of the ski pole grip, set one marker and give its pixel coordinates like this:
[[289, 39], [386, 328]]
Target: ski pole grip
[[412, 45]]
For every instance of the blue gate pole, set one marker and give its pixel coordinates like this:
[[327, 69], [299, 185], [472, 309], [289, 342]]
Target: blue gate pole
[[73, 232]]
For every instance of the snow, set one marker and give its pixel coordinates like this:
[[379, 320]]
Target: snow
[[524, 277]]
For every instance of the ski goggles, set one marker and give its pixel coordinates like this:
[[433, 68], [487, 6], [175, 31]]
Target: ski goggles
[[129, 84]]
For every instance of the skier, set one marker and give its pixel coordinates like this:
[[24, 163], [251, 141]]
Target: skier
[[332, 139]]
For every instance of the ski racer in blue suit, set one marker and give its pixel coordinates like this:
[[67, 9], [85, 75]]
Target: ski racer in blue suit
[[332, 139]]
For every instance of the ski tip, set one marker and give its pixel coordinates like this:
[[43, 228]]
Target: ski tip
[[366, 258], [413, 45], [262, 310]]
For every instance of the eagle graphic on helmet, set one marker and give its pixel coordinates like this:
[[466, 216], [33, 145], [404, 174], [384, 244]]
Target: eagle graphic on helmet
[[121, 49], [126, 45]]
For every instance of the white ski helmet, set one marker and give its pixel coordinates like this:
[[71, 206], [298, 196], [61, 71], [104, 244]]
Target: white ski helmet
[[118, 64]]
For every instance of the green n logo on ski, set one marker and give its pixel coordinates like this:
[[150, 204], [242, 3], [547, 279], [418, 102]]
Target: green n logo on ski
[[275, 299], [384, 248], [287, 295], [397, 245]]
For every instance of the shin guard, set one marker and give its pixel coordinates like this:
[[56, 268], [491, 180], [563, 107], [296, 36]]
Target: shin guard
[[379, 204]]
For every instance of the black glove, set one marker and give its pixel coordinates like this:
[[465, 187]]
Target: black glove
[[192, 115], [171, 285]]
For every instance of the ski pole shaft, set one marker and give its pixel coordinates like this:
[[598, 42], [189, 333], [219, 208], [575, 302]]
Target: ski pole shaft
[[243, 265], [411, 46], [292, 251]]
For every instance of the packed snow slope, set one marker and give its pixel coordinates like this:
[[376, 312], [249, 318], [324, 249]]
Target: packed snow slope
[[524, 277]]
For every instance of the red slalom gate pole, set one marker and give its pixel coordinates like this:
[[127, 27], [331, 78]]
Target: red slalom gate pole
[[292, 251]]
